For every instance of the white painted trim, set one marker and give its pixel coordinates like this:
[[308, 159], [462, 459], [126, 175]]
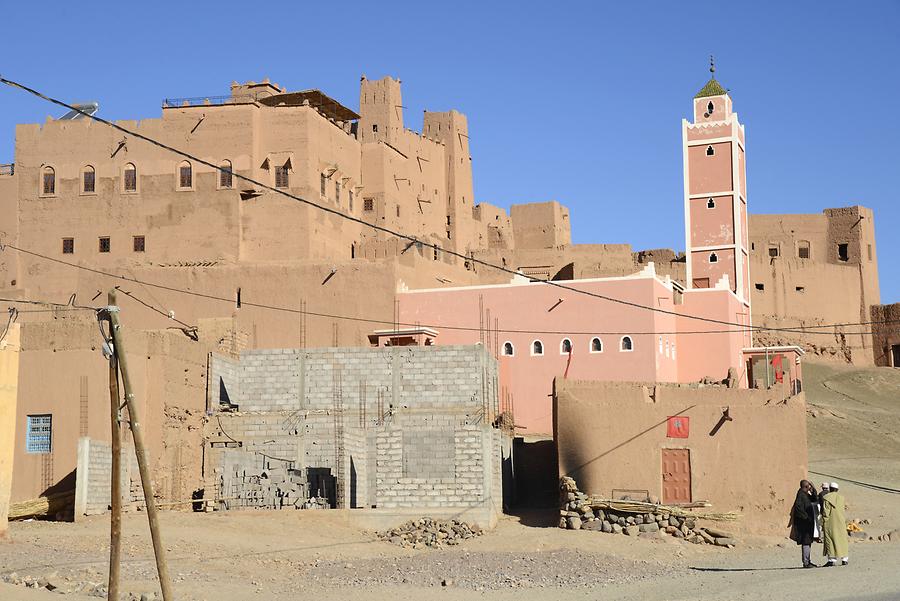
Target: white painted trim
[[714, 248], [689, 282], [621, 340], [511, 346], [531, 348], [591, 346], [705, 195], [571, 345], [640, 275]]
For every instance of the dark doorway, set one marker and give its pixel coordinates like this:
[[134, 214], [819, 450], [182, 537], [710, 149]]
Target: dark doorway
[[895, 355]]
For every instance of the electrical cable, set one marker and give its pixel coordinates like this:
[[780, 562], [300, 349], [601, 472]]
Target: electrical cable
[[125, 278], [412, 240], [381, 228]]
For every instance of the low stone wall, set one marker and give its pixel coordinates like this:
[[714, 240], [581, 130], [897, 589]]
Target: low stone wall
[[578, 512], [93, 477]]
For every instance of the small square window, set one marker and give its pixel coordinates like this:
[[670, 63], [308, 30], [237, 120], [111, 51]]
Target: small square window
[[803, 252], [68, 246], [773, 251], [375, 127], [39, 435], [760, 287], [368, 204], [104, 245], [800, 288], [139, 244]]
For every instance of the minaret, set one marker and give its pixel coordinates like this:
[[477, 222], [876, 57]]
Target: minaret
[[715, 193]]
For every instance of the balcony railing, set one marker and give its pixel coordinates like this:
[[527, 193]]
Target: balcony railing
[[207, 100], [9, 169]]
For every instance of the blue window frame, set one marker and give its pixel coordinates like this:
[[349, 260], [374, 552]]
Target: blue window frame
[[39, 435]]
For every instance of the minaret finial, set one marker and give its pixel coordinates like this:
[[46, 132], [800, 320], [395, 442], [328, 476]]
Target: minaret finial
[[712, 65]]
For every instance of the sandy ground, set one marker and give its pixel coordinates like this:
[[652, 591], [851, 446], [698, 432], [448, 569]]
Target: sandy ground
[[854, 435]]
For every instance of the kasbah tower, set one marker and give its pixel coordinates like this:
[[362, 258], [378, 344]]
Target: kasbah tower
[[715, 195]]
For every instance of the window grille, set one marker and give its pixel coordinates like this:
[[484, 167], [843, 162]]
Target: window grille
[[225, 175], [368, 204], [104, 245], [281, 176], [68, 246], [88, 181], [186, 179], [39, 437], [130, 178], [49, 181], [139, 244]]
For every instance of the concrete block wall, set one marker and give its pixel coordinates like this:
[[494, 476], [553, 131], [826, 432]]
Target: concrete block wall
[[414, 423], [93, 477], [224, 385]]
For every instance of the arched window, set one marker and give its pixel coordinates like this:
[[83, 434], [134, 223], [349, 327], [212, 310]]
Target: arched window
[[710, 108], [185, 176], [710, 204], [596, 345], [713, 258], [803, 249], [710, 151], [508, 349], [88, 180], [667, 348], [48, 186], [537, 348], [226, 175], [565, 347], [129, 178], [626, 344]]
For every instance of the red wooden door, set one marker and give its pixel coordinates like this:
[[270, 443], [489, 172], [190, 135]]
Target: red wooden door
[[676, 476]]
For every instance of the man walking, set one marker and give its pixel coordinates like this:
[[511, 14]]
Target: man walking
[[802, 521], [834, 528]]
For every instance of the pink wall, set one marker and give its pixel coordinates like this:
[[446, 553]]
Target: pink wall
[[712, 227], [657, 355], [710, 174], [701, 355], [702, 268]]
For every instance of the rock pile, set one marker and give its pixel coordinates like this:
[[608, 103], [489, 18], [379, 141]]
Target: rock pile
[[428, 532], [577, 513]]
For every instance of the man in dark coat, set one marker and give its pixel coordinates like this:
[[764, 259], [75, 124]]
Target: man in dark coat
[[802, 522]]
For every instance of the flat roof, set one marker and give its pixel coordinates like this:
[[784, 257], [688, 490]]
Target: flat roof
[[763, 349]]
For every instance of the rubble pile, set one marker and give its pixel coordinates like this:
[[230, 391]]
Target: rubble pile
[[428, 532], [577, 512]]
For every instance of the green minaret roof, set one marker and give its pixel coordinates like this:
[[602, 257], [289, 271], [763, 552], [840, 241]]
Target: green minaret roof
[[712, 87]]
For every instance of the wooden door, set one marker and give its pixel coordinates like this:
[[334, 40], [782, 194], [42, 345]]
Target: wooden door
[[701, 282], [676, 476]]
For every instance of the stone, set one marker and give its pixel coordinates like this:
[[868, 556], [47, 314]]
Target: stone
[[670, 529], [651, 527], [638, 519], [589, 514], [691, 523], [632, 530], [446, 582], [630, 520], [716, 533], [606, 527], [601, 515], [570, 496], [696, 539], [593, 525], [678, 533], [574, 523], [725, 542], [622, 522], [706, 537], [673, 521], [616, 528]]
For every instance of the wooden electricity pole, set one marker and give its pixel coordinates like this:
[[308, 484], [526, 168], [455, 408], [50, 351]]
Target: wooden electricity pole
[[115, 520], [139, 449]]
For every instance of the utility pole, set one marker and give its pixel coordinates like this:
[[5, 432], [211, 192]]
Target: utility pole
[[115, 520], [139, 449]]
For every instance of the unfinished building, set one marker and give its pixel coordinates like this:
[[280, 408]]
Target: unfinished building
[[402, 431]]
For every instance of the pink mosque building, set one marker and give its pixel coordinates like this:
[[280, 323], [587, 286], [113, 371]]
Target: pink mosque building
[[540, 332]]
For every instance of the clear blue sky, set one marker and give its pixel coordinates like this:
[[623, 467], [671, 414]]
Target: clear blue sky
[[577, 102]]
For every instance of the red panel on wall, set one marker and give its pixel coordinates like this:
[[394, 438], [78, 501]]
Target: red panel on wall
[[678, 426]]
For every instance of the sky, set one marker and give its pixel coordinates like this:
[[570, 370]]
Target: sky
[[576, 102]]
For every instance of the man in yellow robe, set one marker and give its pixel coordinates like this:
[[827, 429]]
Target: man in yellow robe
[[834, 528]]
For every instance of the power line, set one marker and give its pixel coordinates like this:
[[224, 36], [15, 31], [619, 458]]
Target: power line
[[337, 213], [291, 310], [412, 239]]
